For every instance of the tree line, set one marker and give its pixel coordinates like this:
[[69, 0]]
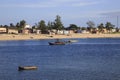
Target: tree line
[[58, 25]]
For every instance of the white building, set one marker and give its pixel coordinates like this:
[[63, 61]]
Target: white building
[[3, 30], [84, 31], [27, 26]]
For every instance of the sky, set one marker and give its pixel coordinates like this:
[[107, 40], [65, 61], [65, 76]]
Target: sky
[[77, 12]]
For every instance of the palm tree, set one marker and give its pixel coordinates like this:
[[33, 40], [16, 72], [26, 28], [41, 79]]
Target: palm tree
[[91, 25], [22, 24], [101, 27], [109, 26]]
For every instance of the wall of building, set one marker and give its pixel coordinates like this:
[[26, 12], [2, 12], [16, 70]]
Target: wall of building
[[12, 31], [3, 30]]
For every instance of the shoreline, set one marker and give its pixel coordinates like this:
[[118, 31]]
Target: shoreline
[[7, 37]]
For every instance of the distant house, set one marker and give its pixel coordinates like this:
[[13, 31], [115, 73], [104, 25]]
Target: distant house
[[3, 30], [71, 31], [66, 32], [113, 30], [104, 30], [26, 31], [12, 31], [53, 32], [85, 31], [78, 31], [27, 26], [36, 31], [60, 31], [9, 30]]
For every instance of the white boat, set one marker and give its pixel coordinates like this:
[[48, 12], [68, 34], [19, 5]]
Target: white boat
[[71, 41], [27, 68]]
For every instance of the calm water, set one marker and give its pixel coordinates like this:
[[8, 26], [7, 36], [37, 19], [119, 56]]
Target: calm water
[[87, 59]]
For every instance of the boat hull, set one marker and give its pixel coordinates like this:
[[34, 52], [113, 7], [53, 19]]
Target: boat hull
[[61, 43], [27, 68]]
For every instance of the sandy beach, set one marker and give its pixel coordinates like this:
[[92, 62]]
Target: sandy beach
[[45, 36]]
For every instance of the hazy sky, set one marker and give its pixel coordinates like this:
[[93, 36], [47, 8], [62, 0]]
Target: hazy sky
[[71, 11]]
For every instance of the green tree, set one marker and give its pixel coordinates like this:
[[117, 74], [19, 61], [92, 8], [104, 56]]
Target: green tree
[[117, 29], [33, 27], [58, 24], [83, 28], [50, 25], [6, 26], [101, 27], [109, 26], [11, 25], [91, 25], [42, 26], [18, 25], [22, 24], [73, 27]]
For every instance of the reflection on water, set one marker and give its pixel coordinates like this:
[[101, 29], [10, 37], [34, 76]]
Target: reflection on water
[[88, 59]]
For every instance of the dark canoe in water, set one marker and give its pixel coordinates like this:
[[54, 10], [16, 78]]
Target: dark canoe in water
[[56, 43], [27, 68]]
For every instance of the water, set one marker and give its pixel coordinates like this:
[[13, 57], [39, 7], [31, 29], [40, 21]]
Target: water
[[87, 59]]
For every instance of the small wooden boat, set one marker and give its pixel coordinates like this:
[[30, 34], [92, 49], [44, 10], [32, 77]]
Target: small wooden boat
[[57, 42], [27, 68]]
